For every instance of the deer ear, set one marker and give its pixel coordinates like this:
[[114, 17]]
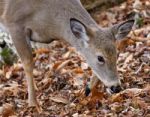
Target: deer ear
[[79, 30], [121, 30]]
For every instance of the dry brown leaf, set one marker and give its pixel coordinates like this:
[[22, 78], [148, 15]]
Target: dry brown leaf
[[84, 66], [85, 101], [78, 80], [78, 70], [119, 97], [121, 45], [42, 50], [128, 59], [13, 88], [139, 103], [37, 73], [67, 54], [7, 110], [8, 74], [75, 115], [96, 95], [133, 90], [18, 66], [1, 72], [59, 100], [55, 66], [62, 65]]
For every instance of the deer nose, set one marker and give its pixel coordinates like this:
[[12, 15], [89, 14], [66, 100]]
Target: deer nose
[[116, 89]]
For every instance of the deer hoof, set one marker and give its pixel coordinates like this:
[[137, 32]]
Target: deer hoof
[[87, 91]]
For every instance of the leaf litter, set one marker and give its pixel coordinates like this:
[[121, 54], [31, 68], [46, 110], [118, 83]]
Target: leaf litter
[[61, 76]]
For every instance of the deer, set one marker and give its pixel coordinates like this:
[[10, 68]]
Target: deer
[[44, 21]]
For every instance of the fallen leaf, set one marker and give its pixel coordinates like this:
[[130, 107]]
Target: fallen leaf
[[128, 59], [62, 65], [7, 110], [59, 100], [121, 45], [84, 66], [8, 74], [78, 81], [42, 50], [96, 95], [11, 88], [119, 97], [75, 115], [78, 71]]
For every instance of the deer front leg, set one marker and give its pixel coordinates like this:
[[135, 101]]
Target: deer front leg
[[28, 34], [22, 45]]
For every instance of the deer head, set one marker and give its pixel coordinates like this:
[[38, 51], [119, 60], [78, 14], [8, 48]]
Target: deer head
[[99, 49]]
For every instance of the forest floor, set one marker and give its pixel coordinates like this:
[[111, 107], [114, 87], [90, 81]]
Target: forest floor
[[61, 75]]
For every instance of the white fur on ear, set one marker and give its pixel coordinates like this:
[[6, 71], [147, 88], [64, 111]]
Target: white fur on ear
[[85, 44], [121, 30], [85, 40]]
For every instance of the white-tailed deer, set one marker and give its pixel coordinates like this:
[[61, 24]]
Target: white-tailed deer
[[46, 20]]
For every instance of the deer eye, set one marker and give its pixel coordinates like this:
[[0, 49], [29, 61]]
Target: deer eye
[[101, 60]]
